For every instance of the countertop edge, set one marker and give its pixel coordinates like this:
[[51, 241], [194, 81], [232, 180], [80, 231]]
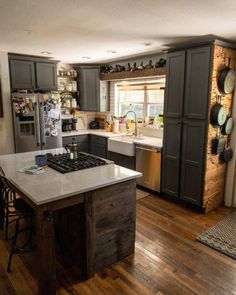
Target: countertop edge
[[85, 190]]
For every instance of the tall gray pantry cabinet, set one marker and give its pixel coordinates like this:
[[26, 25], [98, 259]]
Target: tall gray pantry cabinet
[[185, 123]]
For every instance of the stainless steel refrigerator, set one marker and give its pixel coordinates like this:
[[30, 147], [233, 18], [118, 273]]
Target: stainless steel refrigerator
[[37, 121]]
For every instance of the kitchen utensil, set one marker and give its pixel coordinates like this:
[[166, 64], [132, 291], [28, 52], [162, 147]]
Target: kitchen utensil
[[227, 80], [227, 127], [218, 113], [94, 125], [218, 145], [226, 155], [72, 148]]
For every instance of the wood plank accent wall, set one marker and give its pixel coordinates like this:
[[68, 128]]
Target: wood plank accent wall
[[214, 186]]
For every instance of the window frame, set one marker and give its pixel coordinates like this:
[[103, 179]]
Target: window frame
[[145, 102]]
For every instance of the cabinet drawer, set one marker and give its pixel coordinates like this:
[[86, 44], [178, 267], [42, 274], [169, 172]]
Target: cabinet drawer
[[94, 139], [80, 139]]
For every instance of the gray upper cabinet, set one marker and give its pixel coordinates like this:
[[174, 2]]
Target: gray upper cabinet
[[89, 89], [32, 73], [22, 74], [46, 74], [93, 93], [197, 82], [174, 91]]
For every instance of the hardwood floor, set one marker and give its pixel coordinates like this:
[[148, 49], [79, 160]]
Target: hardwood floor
[[167, 260]]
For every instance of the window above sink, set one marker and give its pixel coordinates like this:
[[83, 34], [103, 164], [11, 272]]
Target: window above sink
[[145, 97]]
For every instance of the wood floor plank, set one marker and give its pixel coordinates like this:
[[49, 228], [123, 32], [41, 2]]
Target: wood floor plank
[[168, 260]]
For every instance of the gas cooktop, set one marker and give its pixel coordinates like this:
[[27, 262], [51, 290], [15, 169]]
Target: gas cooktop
[[62, 162]]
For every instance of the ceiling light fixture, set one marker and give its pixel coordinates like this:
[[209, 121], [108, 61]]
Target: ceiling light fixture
[[45, 52], [111, 51], [147, 44], [86, 57]]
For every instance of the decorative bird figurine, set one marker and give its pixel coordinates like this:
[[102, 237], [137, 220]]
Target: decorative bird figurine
[[128, 68], [149, 65], [141, 66], [134, 68]]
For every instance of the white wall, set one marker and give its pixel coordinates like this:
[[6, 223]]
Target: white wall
[[6, 128], [230, 186]]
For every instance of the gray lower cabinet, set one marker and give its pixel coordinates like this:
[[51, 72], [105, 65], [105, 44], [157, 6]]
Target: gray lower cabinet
[[193, 156], [122, 160], [46, 74], [171, 156], [22, 74], [98, 146], [81, 140]]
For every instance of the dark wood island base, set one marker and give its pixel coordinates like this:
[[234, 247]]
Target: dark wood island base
[[94, 229]]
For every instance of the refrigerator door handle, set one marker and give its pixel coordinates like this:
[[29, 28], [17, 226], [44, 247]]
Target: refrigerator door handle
[[42, 124], [37, 123]]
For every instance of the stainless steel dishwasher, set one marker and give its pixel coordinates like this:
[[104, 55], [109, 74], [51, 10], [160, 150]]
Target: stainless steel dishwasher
[[148, 162]]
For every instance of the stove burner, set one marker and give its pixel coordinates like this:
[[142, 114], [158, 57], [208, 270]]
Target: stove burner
[[64, 164]]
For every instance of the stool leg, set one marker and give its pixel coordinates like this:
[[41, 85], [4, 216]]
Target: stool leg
[[14, 241], [6, 222], [1, 209]]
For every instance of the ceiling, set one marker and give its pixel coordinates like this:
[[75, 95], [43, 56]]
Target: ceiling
[[73, 29]]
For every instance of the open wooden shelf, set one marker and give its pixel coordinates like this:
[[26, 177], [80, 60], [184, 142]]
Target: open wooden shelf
[[131, 75]]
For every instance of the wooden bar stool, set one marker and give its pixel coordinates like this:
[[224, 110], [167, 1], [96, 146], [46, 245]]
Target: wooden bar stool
[[14, 210], [8, 211]]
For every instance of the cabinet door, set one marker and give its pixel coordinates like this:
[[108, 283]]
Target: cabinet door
[[197, 83], [193, 159], [122, 160], [171, 156], [22, 74], [174, 91], [46, 76], [98, 150], [89, 89]]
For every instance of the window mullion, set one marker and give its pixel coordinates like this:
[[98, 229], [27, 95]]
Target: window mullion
[[145, 103]]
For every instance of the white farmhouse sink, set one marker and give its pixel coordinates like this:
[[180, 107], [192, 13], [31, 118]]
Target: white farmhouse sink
[[122, 145]]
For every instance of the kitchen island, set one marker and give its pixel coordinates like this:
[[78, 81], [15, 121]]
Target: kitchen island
[[92, 210]]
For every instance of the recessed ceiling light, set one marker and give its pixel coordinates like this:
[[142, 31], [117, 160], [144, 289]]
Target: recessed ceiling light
[[147, 44], [46, 52], [111, 51], [86, 57]]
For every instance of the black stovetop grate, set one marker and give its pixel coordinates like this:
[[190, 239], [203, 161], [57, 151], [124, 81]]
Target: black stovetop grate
[[62, 162]]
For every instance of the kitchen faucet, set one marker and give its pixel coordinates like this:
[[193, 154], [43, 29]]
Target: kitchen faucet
[[135, 118]]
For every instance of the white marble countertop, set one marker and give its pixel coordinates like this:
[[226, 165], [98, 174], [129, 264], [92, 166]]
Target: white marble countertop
[[99, 132], [146, 140], [52, 185]]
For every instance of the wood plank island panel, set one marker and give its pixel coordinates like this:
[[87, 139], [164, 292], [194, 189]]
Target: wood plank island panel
[[132, 75], [214, 182]]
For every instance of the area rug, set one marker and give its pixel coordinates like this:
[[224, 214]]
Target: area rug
[[141, 194], [222, 236]]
